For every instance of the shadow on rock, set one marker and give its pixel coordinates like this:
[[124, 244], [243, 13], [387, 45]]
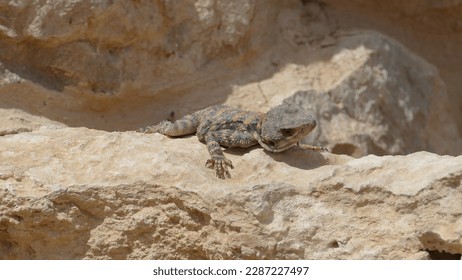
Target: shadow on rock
[[300, 158]]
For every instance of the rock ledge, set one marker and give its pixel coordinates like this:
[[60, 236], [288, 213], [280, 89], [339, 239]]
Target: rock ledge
[[77, 193]]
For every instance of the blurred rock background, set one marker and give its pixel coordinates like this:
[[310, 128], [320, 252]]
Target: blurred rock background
[[382, 77]]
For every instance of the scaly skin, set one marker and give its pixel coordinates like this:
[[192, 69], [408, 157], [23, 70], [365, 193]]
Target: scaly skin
[[276, 131]]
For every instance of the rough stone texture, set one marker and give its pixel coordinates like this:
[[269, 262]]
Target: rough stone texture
[[432, 29], [96, 63], [120, 65], [370, 95], [96, 45], [126, 64], [80, 193]]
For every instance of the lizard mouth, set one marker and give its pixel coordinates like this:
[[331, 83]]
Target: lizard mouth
[[274, 147]]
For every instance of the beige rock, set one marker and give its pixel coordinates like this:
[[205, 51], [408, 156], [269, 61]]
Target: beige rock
[[105, 47], [122, 65], [117, 65], [76, 193], [80, 193], [385, 101], [369, 94], [431, 29]]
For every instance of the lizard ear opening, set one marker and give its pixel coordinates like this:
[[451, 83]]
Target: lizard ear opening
[[287, 132]]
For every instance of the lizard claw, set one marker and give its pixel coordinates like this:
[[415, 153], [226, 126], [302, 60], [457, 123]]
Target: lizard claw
[[220, 164]]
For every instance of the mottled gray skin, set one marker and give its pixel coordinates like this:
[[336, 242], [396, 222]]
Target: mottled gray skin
[[278, 130]]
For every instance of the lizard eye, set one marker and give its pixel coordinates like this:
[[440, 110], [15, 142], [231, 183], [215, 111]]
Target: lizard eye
[[272, 143], [287, 132]]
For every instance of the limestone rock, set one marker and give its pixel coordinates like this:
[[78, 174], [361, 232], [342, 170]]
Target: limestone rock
[[386, 101], [370, 95], [118, 65], [431, 29], [81, 193], [122, 65], [105, 46]]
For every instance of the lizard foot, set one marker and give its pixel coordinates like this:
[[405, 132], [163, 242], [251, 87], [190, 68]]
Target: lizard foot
[[220, 164]]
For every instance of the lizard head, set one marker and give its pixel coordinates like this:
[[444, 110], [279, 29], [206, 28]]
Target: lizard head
[[284, 126]]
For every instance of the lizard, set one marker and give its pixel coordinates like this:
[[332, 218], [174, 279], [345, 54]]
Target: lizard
[[281, 128]]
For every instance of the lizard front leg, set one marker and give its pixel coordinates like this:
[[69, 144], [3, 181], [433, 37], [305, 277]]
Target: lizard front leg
[[217, 160], [228, 138]]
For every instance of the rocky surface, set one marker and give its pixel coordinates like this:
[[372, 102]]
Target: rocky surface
[[71, 63], [432, 29], [369, 94], [80, 193], [73, 73]]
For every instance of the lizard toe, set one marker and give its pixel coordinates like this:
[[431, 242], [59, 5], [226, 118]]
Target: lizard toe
[[221, 166]]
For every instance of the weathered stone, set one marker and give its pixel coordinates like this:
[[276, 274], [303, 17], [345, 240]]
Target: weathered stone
[[73, 193], [80, 193], [393, 102], [117, 66], [103, 46], [370, 95], [431, 29]]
